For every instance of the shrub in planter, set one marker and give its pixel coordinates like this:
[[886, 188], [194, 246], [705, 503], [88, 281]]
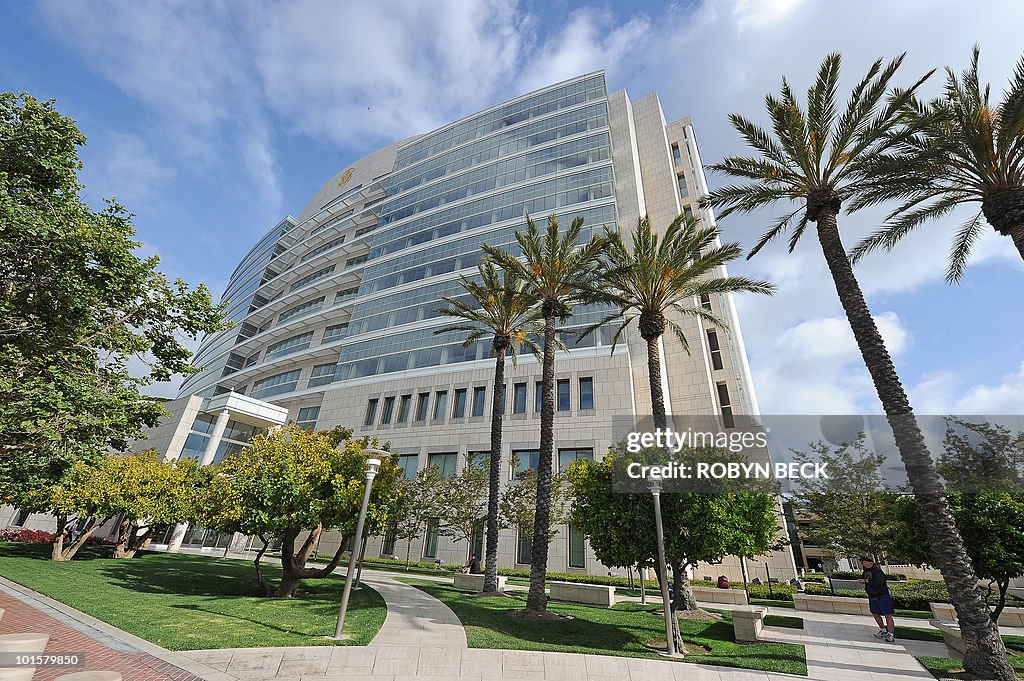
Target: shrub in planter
[[25, 536], [854, 574]]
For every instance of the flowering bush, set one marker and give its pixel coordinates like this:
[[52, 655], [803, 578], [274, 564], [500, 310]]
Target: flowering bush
[[20, 534]]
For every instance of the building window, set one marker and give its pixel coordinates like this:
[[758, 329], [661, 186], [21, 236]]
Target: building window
[[310, 278], [567, 456], [21, 517], [422, 402], [443, 462], [586, 393], [524, 554], [307, 417], [716, 351], [430, 545], [479, 400], [388, 411], [289, 345], [480, 460], [538, 396], [322, 374], [519, 398], [408, 463], [276, 384], [723, 401], [478, 541], [371, 412], [677, 157], [683, 190], [300, 309], [403, 408], [358, 260], [563, 394], [387, 548], [333, 333], [705, 301], [577, 549], [459, 407], [346, 294], [523, 460], [440, 404]]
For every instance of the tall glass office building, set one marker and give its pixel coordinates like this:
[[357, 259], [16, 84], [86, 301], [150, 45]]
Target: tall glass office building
[[334, 320]]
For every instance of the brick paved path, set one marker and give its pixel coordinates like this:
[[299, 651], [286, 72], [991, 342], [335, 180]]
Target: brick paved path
[[99, 652]]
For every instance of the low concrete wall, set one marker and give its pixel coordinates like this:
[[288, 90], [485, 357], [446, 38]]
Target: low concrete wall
[[1009, 617], [838, 604], [951, 635], [747, 622], [731, 596], [475, 582], [589, 594]]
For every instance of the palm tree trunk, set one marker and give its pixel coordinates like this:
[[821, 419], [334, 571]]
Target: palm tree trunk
[[1018, 239], [536, 600], [986, 655], [657, 395], [494, 484]]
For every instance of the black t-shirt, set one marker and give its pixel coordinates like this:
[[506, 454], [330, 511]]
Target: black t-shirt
[[474, 566], [875, 582]]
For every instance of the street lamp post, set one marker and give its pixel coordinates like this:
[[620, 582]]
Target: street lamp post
[[670, 642], [371, 473]]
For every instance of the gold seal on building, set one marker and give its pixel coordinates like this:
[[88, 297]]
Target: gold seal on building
[[345, 177]]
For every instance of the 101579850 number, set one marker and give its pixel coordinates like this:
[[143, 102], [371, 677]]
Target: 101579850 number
[[40, 660]]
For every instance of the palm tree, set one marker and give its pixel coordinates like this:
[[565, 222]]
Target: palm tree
[[967, 151], [819, 159], [560, 275], [667, 273], [498, 306]]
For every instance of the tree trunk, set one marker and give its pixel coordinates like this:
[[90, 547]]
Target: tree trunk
[[57, 550], [1018, 239], [1003, 584], [126, 529], [536, 600], [259, 567], [682, 595], [494, 483], [294, 563], [986, 656], [654, 373]]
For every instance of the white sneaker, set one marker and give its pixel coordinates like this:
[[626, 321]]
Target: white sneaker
[[889, 638], [880, 634]]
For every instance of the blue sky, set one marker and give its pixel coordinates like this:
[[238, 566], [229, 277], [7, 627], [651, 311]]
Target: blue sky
[[212, 120]]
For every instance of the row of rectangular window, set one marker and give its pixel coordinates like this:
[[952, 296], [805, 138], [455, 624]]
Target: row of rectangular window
[[522, 460], [577, 554], [478, 404]]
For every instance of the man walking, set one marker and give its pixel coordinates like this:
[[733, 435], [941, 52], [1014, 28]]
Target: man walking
[[879, 600]]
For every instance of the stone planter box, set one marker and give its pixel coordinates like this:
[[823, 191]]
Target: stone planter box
[[1009, 617], [847, 584], [588, 594], [840, 605], [747, 622], [951, 635], [730, 596], [475, 582]]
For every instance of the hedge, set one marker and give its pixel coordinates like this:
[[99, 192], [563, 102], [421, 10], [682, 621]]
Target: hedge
[[853, 574]]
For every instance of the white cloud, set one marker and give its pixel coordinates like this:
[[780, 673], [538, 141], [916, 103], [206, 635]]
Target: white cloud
[[948, 392], [815, 367], [125, 162], [760, 14]]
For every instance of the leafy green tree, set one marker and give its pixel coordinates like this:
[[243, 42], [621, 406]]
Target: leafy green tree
[[819, 159], [980, 456], [992, 525], [560, 274], [418, 504], [463, 505], [852, 506], [77, 304], [290, 481], [518, 505], [701, 525], [142, 491], [967, 150], [498, 307], [661, 275]]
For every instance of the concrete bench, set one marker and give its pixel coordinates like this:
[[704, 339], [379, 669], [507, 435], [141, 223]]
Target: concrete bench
[[730, 596], [951, 635], [1009, 617], [588, 594], [840, 605], [90, 676], [747, 622], [21, 643], [469, 582]]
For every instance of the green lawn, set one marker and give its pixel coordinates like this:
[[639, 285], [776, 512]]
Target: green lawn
[[784, 621], [621, 630], [186, 602], [950, 668]]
